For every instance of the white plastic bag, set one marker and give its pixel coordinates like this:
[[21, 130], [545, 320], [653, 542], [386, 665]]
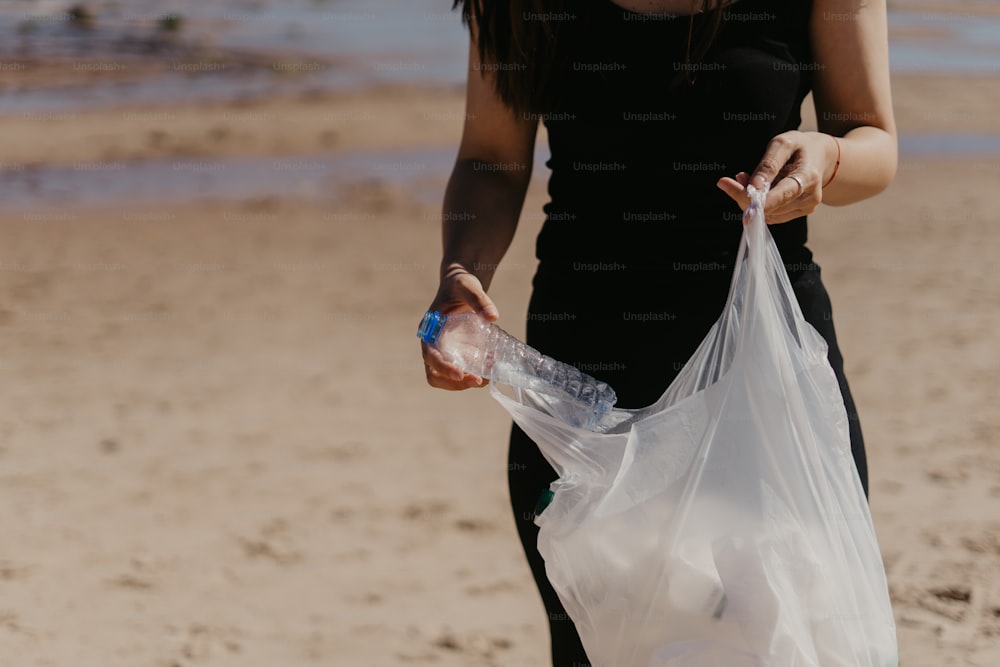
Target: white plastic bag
[[725, 525]]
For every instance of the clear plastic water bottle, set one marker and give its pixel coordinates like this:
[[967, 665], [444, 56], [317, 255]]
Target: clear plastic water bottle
[[481, 348]]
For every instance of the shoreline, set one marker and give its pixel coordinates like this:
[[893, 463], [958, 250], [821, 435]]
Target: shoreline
[[962, 7], [380, 118]]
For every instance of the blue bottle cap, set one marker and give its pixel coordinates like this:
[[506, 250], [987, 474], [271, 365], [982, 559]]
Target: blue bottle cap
[[430, 327]]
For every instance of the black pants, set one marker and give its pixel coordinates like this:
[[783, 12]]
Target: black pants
[[636, 335]]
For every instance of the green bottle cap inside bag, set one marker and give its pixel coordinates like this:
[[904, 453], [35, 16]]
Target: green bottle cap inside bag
[[543, 501]]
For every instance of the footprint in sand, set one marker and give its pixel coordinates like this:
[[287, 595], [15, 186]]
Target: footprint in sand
[[200, 642], [272, 543], [472, 525]]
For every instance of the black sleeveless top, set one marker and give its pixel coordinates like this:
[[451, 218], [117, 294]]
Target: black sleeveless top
[[635, 159]]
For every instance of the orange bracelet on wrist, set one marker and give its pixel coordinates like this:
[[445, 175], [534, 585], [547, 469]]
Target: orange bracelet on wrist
[[837, 166]]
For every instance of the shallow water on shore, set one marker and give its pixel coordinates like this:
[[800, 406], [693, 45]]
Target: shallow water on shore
[[938, 42], [300, 45], [320, 177], [422, 173], [264, 48], [950, 144]]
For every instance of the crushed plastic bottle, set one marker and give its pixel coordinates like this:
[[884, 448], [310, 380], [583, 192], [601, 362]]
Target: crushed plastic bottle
[[481, 348]]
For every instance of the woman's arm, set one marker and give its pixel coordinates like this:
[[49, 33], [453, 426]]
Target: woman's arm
[[483, 200], [852, 96], [482, 204], [853, 103]]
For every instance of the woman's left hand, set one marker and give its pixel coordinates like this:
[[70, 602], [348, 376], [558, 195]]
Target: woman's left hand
[[796, 164]]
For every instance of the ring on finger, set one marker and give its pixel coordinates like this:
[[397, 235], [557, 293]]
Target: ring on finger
[[798, 180]]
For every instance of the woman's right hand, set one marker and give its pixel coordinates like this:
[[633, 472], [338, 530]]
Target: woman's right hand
[[460, 292]]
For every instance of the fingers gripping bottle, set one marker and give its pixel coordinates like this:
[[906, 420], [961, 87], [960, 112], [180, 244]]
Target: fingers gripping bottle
[[481, 348]]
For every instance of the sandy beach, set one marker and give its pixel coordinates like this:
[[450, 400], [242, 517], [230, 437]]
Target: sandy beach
[[217, 447]]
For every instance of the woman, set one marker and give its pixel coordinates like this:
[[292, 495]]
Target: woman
[[659, 113]]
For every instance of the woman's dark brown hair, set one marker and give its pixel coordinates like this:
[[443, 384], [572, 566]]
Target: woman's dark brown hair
[[517, 41]]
